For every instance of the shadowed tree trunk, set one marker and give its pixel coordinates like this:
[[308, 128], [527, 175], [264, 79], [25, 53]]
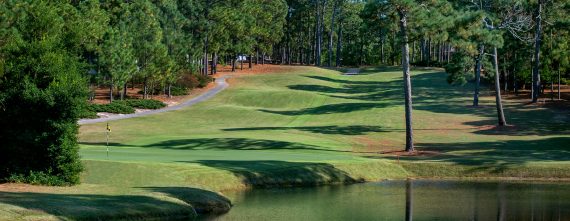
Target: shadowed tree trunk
[[234, 64], [498, 101], [339, 42], [559, 81], [169, 90], [407, 79], [536, 68], [330, 49], [382, 41], [250, 61], [145, 88], [213, 64], [478, 61], [111, 85], [263, 58], [124, 94]]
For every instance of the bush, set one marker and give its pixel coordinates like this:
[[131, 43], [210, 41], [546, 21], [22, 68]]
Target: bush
[[87, 113], [204, 80], [142, 103], [120, 107], [115, 107], [37, 178], [178, 91], [189, 81]]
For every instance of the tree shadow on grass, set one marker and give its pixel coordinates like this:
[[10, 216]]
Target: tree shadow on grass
[[329, 109], [269, 173], [97, 207], [234, 144], [223, 144], [521, 128], [341, 130], [496, 156], [432, 93], [341, 81], [203, 201]]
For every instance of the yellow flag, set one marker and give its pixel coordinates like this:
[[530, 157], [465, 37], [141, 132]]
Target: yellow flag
[[108, 128]]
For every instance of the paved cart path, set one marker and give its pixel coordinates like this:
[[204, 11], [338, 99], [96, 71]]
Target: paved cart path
[[221, 84], [352, 71]]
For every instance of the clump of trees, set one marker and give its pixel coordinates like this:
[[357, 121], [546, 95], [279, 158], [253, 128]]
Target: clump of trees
[[41, 91], [51, 52]]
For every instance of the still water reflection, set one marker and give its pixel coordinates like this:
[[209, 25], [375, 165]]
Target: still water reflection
[[407, 200]]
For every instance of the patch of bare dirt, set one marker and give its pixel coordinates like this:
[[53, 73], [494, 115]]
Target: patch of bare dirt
[[18, 187], [402, 153]]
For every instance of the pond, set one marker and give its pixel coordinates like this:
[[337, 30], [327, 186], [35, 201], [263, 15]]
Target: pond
[[406, 200]]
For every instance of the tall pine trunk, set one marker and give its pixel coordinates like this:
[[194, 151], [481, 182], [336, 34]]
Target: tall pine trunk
[[536, 68], [498, 101], [111, 86], [169, 90], [318, 34], [124, 92], [145, 88], [407, 79], [205, 57], [559, 81], [250, 61], [339, 41], [330, 48], [478, 62]]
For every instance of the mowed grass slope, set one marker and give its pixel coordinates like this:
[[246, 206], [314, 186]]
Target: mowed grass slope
[[265, 123], [306, 126]]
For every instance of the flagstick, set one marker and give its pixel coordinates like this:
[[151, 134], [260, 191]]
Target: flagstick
[[108, 132], [107, 145]]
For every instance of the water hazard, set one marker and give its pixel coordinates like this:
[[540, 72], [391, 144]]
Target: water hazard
[[407, 200]]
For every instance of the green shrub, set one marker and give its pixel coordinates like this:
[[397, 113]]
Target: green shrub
[[86, 113], [178, 91], [203, 80], [37, 178], [142, 103], [115, 107]]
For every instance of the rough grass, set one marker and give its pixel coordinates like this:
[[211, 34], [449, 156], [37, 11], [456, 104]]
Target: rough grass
[[307, 127]]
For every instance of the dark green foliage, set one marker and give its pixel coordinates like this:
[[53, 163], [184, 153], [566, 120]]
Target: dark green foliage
[[41, 94], [460, 69], [87, 113], [203, 80], [141, 103], [116, 107], [37, 178], [121, 107], [178, 91]]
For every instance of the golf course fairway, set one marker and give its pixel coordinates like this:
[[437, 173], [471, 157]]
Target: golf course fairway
[[301, 126]]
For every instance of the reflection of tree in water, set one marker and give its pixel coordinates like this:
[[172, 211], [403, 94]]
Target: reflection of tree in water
[[409, 200], [502, 211], [499, 201]]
